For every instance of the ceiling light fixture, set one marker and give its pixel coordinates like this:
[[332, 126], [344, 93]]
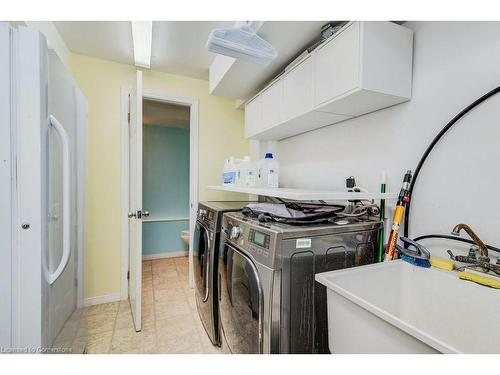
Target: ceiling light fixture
[[142, 35]]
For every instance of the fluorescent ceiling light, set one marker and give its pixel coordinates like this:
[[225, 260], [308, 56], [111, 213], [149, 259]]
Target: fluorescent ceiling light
[[142, 35]]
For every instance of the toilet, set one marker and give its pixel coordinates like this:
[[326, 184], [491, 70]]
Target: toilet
[[185, 236]]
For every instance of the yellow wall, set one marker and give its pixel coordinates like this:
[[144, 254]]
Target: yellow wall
[[220, 134]]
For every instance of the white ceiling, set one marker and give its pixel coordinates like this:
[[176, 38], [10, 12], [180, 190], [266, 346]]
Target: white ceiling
[[105, 40], [178, 46]]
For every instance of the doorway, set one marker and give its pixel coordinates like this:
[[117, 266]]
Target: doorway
[[165, 179], [163, 123]]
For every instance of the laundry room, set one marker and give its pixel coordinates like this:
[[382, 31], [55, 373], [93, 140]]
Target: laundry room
[[320, 185]]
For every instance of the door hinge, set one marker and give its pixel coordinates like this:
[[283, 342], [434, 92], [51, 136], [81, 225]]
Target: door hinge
[[128, 117], [128, 275]]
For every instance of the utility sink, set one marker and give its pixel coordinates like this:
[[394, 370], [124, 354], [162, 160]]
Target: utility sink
[[395, 307]]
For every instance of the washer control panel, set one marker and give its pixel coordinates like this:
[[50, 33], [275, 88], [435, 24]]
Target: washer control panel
[[251, 239], [259, 242]]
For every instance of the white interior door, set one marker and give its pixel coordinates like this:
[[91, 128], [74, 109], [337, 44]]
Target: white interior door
[[135, 201]]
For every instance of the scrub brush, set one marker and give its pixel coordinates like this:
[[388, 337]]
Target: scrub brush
[[418, 257]]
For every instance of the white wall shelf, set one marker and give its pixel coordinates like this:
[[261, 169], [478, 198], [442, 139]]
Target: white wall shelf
[[304, 194], [164, 219]]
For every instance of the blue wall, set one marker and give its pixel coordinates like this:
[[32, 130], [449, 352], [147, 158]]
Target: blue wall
[[165, 189]]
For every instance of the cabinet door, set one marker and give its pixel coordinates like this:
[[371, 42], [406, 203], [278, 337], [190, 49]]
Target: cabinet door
[[336, 65], [272, 99], [298, 90], [253, 116]]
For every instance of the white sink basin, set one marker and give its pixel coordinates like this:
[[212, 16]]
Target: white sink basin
[[394, 307]]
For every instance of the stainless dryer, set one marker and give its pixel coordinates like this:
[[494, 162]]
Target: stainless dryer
[[205, 254], [269, 301]]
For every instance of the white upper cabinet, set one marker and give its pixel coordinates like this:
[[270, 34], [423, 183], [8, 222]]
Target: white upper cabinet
[[298, 90], [364, 67], [253, 117], [272, 101], [336, 65]]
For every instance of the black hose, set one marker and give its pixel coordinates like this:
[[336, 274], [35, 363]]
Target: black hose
[[492, 248], [431, 146]]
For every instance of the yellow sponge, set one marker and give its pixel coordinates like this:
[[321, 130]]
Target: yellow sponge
[[445, 264], [491, 281]]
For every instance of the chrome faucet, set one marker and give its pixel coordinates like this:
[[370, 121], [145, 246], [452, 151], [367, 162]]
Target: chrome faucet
[[483, 250]]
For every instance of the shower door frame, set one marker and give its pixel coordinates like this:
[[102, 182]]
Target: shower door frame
[[192, 103]]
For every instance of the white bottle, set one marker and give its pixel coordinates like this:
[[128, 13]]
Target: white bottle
[[237, 168], [248, 173], [229, 172], [269, 171]]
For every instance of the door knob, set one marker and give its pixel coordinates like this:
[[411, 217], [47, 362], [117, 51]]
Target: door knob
[[138, 214]]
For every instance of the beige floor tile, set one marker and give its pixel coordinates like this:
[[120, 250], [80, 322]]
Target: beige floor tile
[[187, 290], [98, 343], [148, 316], [170, 322], [183, 276], [146, 265], [205, 341], [190, 298], [178, 338], [147, 297], [108, 308], [124, 319], [168, 294], [163, 268], [181, 260], [164, 261], [170, 309], [98, 323], [187, 345], [180, 326], [148, 309], [126, 340], [167, 283], [124, 306], [165, 274], [181, 271]]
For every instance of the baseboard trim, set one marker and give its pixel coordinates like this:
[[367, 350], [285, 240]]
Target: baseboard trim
[[165, 255], [105, 298]]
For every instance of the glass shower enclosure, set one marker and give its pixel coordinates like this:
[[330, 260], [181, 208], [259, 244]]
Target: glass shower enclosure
[[47, 126]]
